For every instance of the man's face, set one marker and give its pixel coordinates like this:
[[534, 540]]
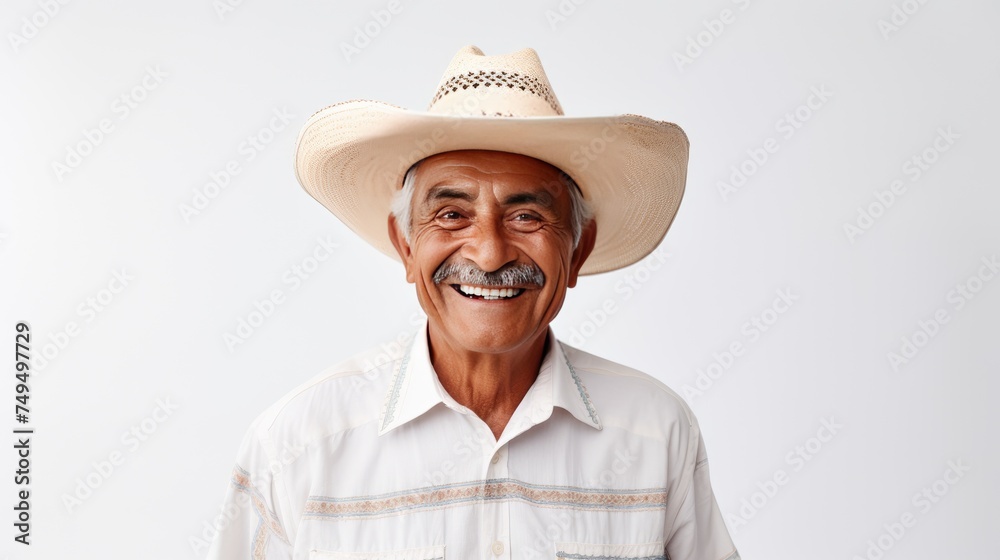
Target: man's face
[[485, 211]]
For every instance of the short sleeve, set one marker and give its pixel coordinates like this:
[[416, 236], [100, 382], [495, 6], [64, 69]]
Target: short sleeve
[[698, 531], [250, 525]]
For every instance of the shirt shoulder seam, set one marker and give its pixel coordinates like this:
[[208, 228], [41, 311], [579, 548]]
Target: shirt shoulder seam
[[337, 371], [648, 379]]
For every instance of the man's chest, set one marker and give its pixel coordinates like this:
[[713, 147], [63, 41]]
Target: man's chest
[[438, 489]]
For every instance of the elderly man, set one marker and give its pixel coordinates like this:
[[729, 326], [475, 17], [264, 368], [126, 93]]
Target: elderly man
[[483, 436]]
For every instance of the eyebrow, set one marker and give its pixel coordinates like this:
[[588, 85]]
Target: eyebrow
[[442, 192], [542, 199]]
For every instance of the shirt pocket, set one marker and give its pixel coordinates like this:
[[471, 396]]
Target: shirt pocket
[[427, 553], [588, 551]]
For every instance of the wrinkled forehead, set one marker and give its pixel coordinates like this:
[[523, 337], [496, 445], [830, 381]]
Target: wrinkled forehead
[[503, 170]]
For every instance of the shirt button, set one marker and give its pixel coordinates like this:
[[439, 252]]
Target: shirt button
[[495, 460], [497, 548]]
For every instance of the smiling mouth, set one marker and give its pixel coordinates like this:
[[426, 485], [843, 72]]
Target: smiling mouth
[[488, 293]]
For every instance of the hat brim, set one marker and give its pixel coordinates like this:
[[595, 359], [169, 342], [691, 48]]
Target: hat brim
[[351, 158]]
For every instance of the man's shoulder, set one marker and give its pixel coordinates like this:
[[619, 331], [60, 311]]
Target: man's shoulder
[[617, 386], [342, 396]]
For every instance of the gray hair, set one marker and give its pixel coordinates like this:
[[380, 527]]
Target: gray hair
[[402, 202]]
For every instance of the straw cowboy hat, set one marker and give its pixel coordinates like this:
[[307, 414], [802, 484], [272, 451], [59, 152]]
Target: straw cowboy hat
[[352, 156]]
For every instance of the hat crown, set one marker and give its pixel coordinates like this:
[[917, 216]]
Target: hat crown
[[506, 85]]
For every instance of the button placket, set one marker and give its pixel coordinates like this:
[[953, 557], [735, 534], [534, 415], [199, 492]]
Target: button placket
[[499, 537]]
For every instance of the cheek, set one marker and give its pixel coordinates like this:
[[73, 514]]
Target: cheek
[[551, 252], [430, 250]]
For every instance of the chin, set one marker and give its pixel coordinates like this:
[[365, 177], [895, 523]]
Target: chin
[[484, 338]]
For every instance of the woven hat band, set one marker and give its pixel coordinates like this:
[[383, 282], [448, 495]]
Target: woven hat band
[[494, 100], [510, 85]]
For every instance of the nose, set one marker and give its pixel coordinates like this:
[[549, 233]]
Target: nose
[[489, 247]]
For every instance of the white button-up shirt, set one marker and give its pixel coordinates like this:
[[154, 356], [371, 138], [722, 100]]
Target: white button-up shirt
[[373, 459]]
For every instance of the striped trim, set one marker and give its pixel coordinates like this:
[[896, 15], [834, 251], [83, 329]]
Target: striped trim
[[268, 522], [259, 549], [392, 397], [581, 388], [495, 489]]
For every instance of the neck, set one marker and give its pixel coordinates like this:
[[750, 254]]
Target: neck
[[489, 384]]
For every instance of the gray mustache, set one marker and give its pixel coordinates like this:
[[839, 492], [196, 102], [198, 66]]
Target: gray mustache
[[512, 275]]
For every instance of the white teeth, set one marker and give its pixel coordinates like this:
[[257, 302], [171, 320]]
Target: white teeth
[[489, 293]]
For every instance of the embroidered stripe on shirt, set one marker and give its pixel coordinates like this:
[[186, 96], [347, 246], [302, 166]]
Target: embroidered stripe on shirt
[[497, 489], [268, 523]]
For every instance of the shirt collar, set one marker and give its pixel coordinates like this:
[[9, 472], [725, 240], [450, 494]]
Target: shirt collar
[[415, 388]]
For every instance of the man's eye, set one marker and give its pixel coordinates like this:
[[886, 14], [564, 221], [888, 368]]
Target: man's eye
[[525, 222], [450, 215]]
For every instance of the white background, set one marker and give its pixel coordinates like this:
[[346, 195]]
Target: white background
[[63, 236]]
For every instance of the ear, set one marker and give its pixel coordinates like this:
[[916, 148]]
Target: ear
[[403, 248], [587, 239]]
